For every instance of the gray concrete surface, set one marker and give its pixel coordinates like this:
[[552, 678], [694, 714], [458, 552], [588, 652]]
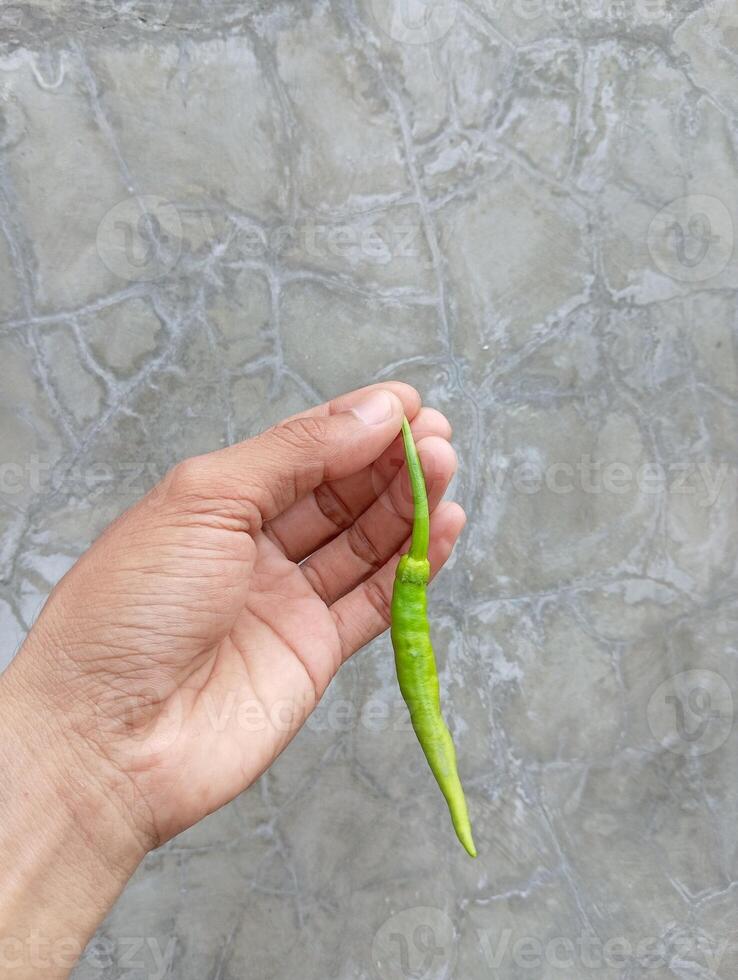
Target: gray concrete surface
[[527, 209]]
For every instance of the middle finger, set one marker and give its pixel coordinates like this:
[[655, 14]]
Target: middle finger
[[333, 507], [375, 535]]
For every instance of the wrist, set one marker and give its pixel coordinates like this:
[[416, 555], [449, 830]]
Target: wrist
[[67, 845]]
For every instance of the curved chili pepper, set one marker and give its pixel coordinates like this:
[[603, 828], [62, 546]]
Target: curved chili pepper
[[414, 659]]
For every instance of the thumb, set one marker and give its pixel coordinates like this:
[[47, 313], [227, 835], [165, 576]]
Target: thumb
[[261, 477]]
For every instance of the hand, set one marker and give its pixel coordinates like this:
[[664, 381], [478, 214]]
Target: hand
[[185, 649]]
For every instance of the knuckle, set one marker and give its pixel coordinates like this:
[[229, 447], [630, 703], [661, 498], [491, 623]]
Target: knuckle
[[196, 489], [187, 478], [300, 432]]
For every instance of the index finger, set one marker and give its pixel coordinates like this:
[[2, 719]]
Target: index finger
[[253, 481], [408, 395]]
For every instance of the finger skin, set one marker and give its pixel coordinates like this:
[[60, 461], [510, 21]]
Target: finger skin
[[408, 395], [246, 484], [364, 613], [373, 538], [333, 507]]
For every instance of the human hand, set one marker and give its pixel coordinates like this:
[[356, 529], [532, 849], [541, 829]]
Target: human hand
[[185, 649]]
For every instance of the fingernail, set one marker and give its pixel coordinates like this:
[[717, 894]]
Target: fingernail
[[374, 408]]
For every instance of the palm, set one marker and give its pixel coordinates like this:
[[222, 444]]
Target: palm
[[242, 676], [217, 644]]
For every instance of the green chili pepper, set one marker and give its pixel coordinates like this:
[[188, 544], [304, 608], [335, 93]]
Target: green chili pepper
[[414, 659]]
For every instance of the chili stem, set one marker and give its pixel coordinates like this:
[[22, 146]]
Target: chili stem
[[421, 518]]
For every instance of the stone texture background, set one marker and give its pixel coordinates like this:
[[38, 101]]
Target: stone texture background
[[213, 214]]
